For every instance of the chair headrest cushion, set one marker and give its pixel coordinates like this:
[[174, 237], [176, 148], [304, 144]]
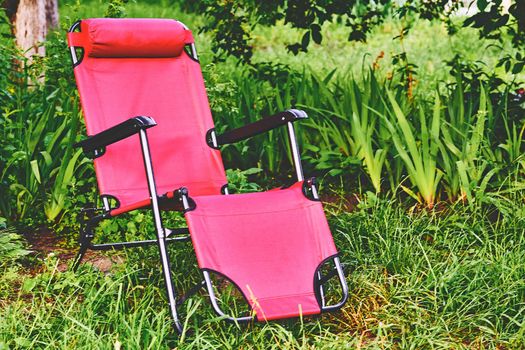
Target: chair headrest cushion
[[134, 37]]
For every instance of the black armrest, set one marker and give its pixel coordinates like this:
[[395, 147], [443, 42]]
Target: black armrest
[[260, 126], [115, 133]]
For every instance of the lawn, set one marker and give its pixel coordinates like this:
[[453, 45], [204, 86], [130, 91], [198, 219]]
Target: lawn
[[441, 280], [424, 192]]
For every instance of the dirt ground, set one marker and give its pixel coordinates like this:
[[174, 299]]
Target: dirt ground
[[45, 242]]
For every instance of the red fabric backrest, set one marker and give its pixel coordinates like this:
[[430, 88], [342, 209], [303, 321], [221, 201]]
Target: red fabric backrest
[[134, 67]]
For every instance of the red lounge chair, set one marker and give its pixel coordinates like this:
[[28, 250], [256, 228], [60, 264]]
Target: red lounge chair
[[154, 147]]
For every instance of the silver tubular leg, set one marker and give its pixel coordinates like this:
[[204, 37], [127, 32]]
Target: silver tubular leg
[[105, 202], [161, 236], [344, 287], [295, 152], [194, 51], [216, 307], [73, 55], [321, 290], [315, 194], [185, 203]]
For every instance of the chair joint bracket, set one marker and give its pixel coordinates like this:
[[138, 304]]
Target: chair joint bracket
[[310, 189]]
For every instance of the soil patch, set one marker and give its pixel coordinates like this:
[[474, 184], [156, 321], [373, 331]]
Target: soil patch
[[44, 242]]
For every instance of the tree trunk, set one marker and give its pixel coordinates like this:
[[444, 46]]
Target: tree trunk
[[30, 26], [51, 14], [31, 21]]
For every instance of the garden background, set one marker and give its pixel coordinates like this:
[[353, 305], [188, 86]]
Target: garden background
[[416, 136]]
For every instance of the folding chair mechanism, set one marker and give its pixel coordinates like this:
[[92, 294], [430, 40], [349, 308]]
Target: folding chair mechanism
[[95, 146]]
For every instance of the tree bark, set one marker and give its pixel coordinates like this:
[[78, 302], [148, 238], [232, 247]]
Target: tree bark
[[51, 14], [30, 26], [31, 20]]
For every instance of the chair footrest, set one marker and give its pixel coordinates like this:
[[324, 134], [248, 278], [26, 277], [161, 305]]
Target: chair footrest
[[269, 244]]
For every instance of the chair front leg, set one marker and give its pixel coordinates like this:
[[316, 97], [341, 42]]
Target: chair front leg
[[161, 231]]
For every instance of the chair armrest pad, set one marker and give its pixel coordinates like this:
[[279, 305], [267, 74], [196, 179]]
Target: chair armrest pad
[[258, 127], [116, 133]]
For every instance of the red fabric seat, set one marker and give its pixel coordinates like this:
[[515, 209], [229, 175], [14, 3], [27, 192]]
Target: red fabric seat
[[268, 243]]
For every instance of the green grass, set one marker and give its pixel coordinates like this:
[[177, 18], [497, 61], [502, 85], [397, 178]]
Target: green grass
[[427, 45], [420, 280]]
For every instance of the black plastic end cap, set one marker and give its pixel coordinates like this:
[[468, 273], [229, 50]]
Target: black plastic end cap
[[298, 113], [312, 181], [209, 139], [183, 191], [143, 122], [308, 184]]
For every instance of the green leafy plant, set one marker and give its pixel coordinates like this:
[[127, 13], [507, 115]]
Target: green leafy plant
[[238, 180], [418, 155], [116, 9], [40, 125], [464, 142]]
